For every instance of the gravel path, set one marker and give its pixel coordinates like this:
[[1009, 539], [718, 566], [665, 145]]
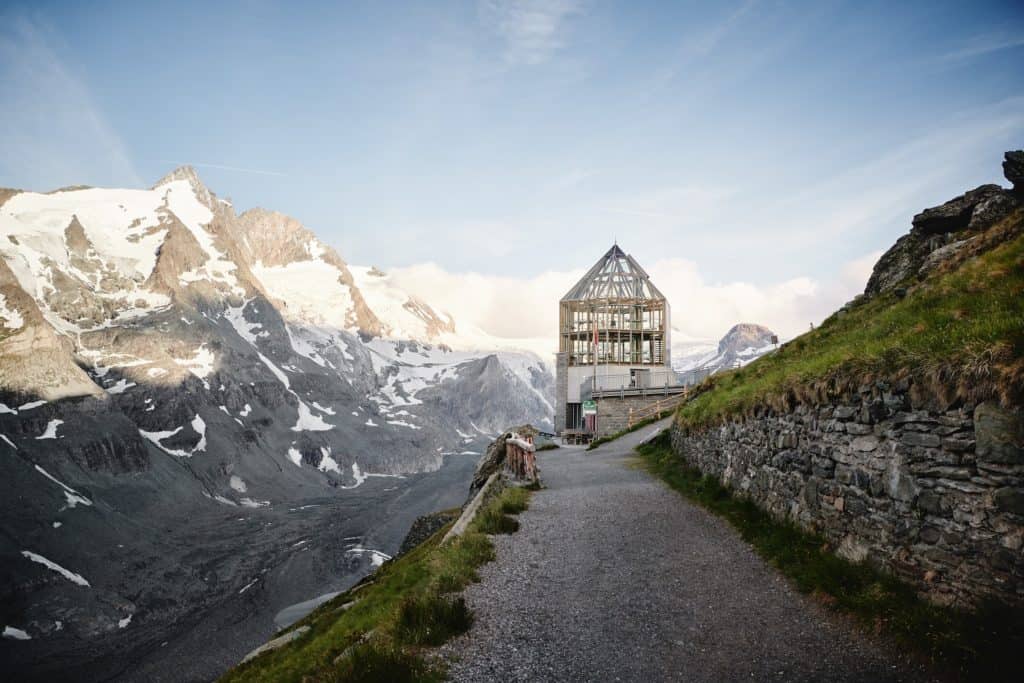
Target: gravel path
[[614, 577]]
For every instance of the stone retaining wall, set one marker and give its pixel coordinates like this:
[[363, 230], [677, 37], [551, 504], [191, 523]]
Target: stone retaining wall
[[613, 411], [935, 497]]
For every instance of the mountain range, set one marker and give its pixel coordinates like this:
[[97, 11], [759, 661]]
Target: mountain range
[[167, 363]]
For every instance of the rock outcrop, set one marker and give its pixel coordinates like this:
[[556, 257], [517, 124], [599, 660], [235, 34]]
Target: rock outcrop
[[1013, 169], [940, 233]]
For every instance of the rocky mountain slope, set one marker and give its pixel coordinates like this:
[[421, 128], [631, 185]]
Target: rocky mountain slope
[[742, 344], [163, 358]]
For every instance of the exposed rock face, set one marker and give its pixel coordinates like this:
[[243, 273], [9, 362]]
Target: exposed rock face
[[510, 396], [939, 233], [933, 496], [6, 193], [1013, 169], [36, 360], [955, 215], [426, 526], [742, 337]]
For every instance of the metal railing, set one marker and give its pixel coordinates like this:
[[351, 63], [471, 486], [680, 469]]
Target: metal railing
[[647, 380]]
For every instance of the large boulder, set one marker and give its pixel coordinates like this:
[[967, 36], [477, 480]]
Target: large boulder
[[954, 215], [897, 265]]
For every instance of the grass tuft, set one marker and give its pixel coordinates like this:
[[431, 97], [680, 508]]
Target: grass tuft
[[495, 517], [983, 644], [494, 521], [431, 619], [373, 663], [514, 501]]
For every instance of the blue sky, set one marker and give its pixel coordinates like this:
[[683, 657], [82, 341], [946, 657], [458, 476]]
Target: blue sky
[[748, 143]]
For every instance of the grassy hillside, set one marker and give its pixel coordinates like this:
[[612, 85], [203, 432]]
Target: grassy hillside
[[957, 334], [378, 631]]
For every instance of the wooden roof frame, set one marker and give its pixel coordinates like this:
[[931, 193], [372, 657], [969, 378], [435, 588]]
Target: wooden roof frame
[[615, 277]]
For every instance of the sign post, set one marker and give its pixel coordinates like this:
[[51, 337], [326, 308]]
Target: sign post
[[590, 414]]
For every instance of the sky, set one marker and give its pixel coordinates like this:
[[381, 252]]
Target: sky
[[756, 157]]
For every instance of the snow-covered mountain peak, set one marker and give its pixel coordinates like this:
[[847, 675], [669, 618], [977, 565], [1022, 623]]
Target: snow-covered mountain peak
[[742, 344], [189, 175], [404, 315]]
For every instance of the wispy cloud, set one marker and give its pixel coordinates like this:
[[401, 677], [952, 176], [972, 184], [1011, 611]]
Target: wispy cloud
[[981, 45], [54, 132], [223, 167], [533, 30], [922, 171]]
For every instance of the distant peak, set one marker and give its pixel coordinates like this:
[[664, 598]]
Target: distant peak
[[189, 174], [745, 335], [185, 172]]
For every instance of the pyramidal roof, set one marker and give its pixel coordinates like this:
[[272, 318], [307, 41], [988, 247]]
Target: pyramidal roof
[[616, 275]]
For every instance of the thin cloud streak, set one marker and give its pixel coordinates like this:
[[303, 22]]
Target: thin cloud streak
[[533, 30], [982, 45], [54, 133]]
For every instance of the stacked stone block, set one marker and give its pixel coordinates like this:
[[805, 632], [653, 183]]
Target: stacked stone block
[[936, 497]]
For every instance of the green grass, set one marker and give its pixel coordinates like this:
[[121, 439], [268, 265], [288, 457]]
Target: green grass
[[549, 446], [432, 619], [514, 500], [370, 663], [410, 603], [496, 519], [984, 644], [958, 335]]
